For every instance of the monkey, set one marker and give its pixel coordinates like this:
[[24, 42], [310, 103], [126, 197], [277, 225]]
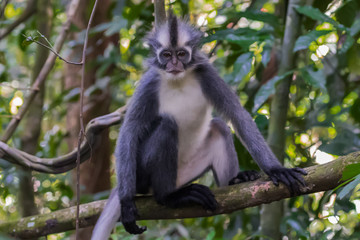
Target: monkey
[[169, 136]]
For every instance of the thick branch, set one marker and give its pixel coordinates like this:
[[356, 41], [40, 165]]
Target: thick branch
[[66, 162], [320, 178], [43, 73]]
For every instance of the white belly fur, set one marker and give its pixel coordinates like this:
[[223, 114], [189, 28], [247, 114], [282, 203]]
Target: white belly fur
[[184, 101]]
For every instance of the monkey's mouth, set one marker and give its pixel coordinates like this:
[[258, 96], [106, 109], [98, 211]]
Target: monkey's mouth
[[175, 72]]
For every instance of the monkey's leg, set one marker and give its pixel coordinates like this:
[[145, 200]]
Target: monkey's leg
[[225, 164], [160, 157]]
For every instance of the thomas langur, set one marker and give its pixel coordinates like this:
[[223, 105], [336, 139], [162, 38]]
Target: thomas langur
[[169, 137]]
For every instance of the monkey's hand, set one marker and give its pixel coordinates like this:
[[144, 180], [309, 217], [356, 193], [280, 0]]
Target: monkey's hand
[[291, 177], [245, 176], [128, 217]]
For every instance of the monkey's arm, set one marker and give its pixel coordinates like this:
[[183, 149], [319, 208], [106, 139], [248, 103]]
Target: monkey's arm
[[226, 103], [142, 110]]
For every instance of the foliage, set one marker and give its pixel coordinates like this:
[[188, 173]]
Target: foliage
[[323, 117]]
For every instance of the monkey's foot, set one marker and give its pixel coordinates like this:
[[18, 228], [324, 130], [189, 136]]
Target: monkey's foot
[[128, 217], [245, 176], [194, 193]]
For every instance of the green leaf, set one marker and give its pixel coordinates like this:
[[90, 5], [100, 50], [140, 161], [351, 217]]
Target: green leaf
[[349, 188], [244, 41], [211, 235], [345, 142], [28, 40], [304, 41], [268, 89], [260, 16], [222, 34], [355, 110], [350, 171], [242, 66], [2, 69], [296, 226], [355, 28], [353, 56], [316, 14], [314, 78]]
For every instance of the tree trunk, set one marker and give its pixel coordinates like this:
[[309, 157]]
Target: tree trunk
[[271, 214], [32, 121], [94, 174]]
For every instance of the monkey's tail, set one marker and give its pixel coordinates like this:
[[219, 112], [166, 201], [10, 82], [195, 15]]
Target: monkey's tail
[[108, 218]]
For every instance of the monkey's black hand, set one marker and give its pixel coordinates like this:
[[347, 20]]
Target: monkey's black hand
[[291, 177], [128, 217], [194, 193], [245, 176]]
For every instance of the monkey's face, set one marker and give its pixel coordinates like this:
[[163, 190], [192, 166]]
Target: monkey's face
[[173, 45], [174, 61]]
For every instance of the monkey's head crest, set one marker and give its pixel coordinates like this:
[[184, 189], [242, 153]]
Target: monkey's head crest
[[174, 46], [174, 33]]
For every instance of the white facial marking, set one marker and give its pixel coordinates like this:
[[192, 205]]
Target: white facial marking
[[163, 36], [183, 36]]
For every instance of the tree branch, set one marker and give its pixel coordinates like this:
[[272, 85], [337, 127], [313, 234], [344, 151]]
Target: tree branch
[[232, 198], [66, 162]]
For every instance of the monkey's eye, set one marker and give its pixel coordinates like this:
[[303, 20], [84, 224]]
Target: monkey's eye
[[166, 54], [181, 53]]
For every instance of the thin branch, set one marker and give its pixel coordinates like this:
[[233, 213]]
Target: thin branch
[[28, 12], [43, 73], [82, 129], [54, 52], [232, 198]]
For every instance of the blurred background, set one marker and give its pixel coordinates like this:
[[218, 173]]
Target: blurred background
[[245, 41]]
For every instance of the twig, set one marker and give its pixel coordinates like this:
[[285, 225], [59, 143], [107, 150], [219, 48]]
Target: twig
[[45, 38], [82, 129], [53, 51], [43, 73]]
